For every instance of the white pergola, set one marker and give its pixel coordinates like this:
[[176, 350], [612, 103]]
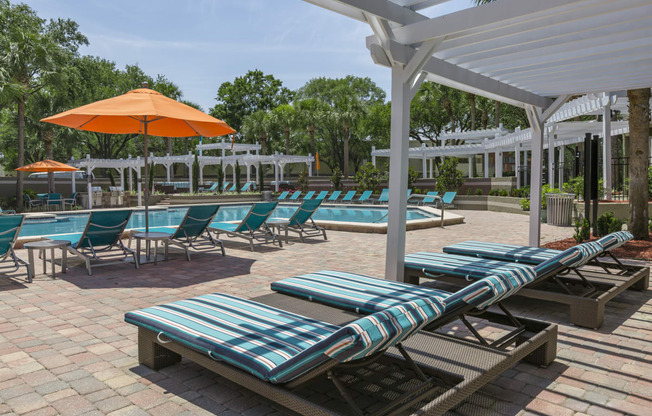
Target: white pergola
[[530, 53]]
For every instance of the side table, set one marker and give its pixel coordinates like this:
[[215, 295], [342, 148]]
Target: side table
[[149, 238], [42, 247], [279, 224]]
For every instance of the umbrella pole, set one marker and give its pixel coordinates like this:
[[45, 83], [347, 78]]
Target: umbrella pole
[[146, 182]]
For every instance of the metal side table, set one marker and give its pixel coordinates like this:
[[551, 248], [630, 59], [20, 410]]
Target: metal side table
[[42, 247]]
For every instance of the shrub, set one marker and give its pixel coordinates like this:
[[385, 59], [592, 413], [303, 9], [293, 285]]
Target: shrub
[[478, 191], [303, 180], [607, 224], [449, 177], [413, 176], [220, 178], [503, 192], [368, 178], [576, 186], [547, 190], [493, 192], [469, 191], [525, 204], [582, 230], [261, 177], [336, 179], [195, 175]]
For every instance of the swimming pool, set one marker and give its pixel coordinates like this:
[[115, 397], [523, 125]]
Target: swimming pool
[[70, 223]]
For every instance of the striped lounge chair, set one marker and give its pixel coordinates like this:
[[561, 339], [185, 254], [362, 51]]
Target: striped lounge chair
[[559, 278], [269, 350], [302, 223], [252, 227], [535, 255]]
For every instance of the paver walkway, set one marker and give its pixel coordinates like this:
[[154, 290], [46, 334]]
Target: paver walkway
[[65, 349]]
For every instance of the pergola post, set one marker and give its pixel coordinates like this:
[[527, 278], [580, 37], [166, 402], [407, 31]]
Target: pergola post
[[517, 165], [536, 122], [248, 172], [486, 159], [606, 149], [275, 177], [398, 169], [89, 171], [190, 176], [373, 156], [139, 188], [73, 185], [470, 159], [551, 159], [499, 164], [309, 165], [431, 170], [562, 150], [122, 178], [424, 167], [525, 181]]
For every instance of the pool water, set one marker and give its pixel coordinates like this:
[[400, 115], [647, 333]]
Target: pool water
[[71, 223]]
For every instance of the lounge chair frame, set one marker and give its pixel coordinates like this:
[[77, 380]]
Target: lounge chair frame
[[458, 366], [11, 253], [586, 292], [313, 230], [87, 254], [192, 242], [263, 234]]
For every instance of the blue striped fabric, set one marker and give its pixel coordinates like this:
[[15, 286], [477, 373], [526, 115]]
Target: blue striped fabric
[[273, 344], [615, 240], [498, 251], [355, 292], [462, 266], [365, 294]]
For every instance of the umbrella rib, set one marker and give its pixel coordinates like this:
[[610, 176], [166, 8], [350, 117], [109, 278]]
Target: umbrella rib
[[193, 129], [93, 118]]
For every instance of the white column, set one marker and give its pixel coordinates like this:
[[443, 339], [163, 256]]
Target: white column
[[431, 169], [122, 178], [139, 188], [309, 166], [73, 184], [282, 168], [535, 177], [131, 184], [398, 168], [373, 157], [190, 177], [424, 168], [499, 164], [89, 172], [525, 167], [470, 167], [248, 171], [167, 172], [486, 159], [551, 159], [233, 172], [606, 149], [275, 177], [517, 163]]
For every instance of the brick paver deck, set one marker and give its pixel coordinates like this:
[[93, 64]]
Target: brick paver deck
[[65, 349]]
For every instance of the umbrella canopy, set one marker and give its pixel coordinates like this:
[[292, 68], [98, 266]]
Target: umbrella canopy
[[47, 165], [142, 111]]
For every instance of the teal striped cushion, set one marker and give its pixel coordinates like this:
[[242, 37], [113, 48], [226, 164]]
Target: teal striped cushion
[[498, 251], [276, 345], [615, 240], [462, 266], [355, 292]]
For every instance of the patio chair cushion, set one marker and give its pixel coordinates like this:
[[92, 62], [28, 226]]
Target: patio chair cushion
[[352, 291], [272, 344], [615, 240]]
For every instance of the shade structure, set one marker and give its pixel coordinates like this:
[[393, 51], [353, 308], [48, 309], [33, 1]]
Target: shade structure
[[47, 165], [142, 111]]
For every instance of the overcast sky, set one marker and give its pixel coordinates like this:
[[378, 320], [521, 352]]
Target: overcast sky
[[199, 44]]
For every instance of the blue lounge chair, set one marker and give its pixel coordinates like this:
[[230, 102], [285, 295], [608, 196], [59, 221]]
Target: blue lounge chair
[[309, 195], [559, 278], [213, 188], [348, 197], [32, 203], [364, 197], [447, 199], [225, 186], [273, 351], [430, 199], [246, 187], [233, 188], [102, 234], [303, 214], [384, 196], [295, 196], [193, 226], [283, 195], [334, 196], [321, 195], [252, 227], [72, 201], [10, 226], [7, 211]]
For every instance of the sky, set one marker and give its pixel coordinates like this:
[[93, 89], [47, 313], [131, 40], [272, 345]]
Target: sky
[[199, 44]]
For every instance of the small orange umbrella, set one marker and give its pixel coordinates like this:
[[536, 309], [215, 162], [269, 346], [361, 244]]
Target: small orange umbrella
[[47, 165], [142, 111]]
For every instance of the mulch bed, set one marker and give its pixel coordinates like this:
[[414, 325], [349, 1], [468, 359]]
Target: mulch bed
[[635, 249]]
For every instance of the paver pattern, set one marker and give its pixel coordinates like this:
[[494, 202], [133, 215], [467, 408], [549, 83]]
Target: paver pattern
[[65, 349]]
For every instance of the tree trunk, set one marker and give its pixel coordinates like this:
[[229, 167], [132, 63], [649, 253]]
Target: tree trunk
[[496, 113], [639, 155], [21, 153], [48, 136], [472, 104], [263, 144], [346, 152]]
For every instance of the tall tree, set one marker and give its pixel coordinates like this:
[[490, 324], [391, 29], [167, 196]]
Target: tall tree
[[310, 112], [170, 90], [247, 94], [285, 117], [639, 161], [255, 126], [33, 54]]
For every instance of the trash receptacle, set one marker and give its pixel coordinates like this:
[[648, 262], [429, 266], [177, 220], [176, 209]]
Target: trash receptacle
[[560, 208]]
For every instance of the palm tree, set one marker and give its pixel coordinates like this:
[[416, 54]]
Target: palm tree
[[639, 156], [285, 117], [348, 110], [256, 126], [311, 112]]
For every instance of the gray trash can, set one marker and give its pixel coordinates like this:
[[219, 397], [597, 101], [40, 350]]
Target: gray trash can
[[560, 208]]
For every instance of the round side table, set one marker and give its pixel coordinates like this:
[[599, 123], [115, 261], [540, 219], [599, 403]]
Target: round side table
[[279, 224], [42, 247]]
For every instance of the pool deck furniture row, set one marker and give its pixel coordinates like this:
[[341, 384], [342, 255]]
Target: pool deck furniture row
[[348, 197], [575, 277], [297, 353]]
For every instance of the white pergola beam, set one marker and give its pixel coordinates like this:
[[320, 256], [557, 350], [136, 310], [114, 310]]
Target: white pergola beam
[[384, 9]]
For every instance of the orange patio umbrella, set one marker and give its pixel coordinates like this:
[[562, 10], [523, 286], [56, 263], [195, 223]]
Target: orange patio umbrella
[[47, 165], [142, 111]]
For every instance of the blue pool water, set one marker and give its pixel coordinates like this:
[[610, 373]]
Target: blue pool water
[[71, 223]]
